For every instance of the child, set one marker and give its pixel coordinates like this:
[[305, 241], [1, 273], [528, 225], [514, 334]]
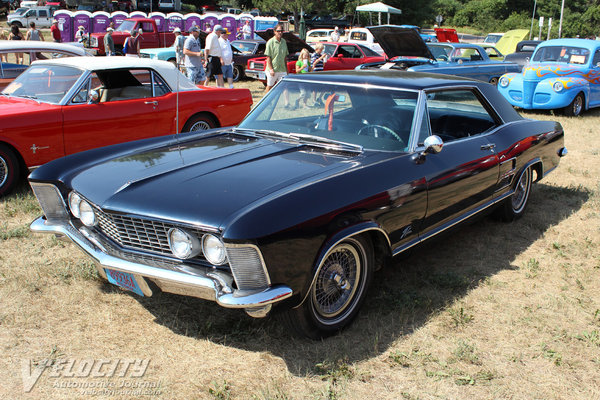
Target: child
[[302, 67]]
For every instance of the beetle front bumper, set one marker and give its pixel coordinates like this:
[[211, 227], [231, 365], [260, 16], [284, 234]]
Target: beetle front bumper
[[208, 284]]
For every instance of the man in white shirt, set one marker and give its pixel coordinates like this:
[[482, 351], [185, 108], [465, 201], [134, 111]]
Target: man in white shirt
[[335, 35], [247, 30], [213, 55], [226, 58]]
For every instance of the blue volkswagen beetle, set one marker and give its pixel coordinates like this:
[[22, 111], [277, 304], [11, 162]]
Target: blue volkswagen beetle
[[563, 74]]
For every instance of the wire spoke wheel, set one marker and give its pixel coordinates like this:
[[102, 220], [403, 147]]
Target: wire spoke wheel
[[521, 194], [3, 171]]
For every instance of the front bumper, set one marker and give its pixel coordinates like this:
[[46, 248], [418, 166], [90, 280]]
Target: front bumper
[[208, 284], [260, 75]]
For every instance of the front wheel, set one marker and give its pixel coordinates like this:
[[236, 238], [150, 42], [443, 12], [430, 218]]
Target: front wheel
[[337, 292], [576, 106], [238, 73], [199, 122], [10, 170], [514, 206]]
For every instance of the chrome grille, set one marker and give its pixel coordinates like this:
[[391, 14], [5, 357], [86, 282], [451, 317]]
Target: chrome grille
[[136, 233], [247, 268]]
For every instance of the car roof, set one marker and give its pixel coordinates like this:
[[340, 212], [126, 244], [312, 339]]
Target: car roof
[[585, 43], [167, 70], [31, 45]]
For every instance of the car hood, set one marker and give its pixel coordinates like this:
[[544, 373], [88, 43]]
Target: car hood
[[205, 181], [400, 42], [18, 106], [294, 43], [540, 71]]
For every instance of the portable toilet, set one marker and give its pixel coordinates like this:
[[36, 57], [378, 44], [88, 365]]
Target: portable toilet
[[100, 21], [160, 19], [241, 21], [174, 20], [118, 17], [229, 22], [82, 18], [192, 19], [209, 20], [65, 24]]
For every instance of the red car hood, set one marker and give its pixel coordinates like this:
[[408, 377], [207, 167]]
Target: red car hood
[[18, 105]]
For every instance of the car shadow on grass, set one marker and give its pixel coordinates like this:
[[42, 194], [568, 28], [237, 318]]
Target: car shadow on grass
[[403, 297]]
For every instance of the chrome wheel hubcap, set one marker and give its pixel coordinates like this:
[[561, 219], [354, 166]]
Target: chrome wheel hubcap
[[200, 126], [337, 282], [519, 198], [3, 171], [577, 105]]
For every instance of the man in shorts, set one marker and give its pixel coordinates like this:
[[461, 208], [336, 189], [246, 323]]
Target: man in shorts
[[226, 58], [276, 52], [194, 58], [213, 55]]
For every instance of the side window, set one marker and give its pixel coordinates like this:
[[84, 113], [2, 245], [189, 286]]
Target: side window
[[160, 87], [457, 114], [425, 130], [43, 13], [93, 83], [147, 27], [596, 60]]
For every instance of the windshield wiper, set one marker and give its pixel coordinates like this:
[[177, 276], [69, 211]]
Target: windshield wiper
[[27, 96], [333, 143], [266, 132]]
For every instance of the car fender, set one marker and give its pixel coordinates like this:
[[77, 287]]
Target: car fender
[[572, 87]]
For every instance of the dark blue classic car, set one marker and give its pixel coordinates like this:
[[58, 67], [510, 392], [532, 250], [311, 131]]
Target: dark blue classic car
[[327, 178], [407, 51]]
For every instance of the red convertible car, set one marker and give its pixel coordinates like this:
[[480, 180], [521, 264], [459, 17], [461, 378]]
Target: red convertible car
[[64, 106], [342, 55]]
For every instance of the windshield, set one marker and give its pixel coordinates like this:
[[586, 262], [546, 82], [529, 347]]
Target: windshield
[[126, 26], [244, 47], [440, 52], [376, 119], [562, 54], [48, 83]]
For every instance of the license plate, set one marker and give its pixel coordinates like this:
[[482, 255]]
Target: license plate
[[123, 279]]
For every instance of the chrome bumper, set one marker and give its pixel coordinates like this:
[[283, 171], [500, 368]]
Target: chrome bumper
[[260, 75], [208, 284]]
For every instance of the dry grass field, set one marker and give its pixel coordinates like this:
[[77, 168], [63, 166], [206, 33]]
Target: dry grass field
[[493, 311]]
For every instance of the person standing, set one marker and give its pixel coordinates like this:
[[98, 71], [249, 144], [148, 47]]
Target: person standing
[[226, 58], [55, 32], [34, 34], [80, 34], [178, 44], [213, 54], [317, 61], [109, 43], [247, 30], [335, 35], [15, 34], [276, 52], [194, 58], [132, 44]]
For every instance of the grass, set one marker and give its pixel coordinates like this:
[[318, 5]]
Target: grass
[[492, 311]]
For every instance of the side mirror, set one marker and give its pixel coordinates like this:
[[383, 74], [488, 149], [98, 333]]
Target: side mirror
[[340, 56], [94, 96], [433, 144]]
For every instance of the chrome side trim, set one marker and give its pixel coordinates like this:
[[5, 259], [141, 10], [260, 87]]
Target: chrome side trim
[[202, 284], [450, 224]]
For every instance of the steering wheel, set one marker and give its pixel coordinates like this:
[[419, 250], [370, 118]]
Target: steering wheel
[[379, 131], [442, 58]]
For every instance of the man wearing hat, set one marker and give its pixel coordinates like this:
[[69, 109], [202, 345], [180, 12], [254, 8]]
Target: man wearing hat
[[109, 44], [213, 54], [55, 31], [178, 44], [194, 58]]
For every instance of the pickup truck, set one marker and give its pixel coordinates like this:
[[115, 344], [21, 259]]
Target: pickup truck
[[151, 37], [42, 16], [326, 21]]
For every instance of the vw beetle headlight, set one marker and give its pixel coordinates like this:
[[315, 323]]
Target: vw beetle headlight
[[88, 217], [183, 245], [74, 203], [503, 81], [558, 86], [213, 249]]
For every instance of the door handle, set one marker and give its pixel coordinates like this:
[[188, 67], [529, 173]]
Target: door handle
[[154, 103], [489, 146]]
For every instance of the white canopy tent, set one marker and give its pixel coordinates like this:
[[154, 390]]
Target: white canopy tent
[[379, 8]]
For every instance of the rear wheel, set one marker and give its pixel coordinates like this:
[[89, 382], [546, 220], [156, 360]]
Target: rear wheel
[[576, 106], [199, 122], [10, 170], [514, 207], [338, 290], [238, 73]]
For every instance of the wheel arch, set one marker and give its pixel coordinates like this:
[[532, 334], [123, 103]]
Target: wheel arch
[[537, 165], [17, 153], [369, 229], [202, 113]]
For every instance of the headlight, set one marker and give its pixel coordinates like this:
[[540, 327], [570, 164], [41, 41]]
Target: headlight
[[88, 217], [213, 249], [558, 86], [74, 204], [503, 81], [182, 244]]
